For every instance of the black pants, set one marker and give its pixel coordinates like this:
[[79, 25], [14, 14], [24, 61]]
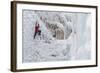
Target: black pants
[[35, 34], [39, 33]]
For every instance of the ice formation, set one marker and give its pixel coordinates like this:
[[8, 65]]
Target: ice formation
[[63, 36]]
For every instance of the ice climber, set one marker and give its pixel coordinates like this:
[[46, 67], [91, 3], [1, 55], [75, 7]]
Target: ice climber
[[37, 30]]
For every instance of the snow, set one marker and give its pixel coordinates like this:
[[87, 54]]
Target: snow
[[74, 46], [84, 54]]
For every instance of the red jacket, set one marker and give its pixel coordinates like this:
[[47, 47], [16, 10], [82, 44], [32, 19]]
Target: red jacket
[[37, 28]]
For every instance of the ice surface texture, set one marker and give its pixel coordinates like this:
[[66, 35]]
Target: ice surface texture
[[64, 36]]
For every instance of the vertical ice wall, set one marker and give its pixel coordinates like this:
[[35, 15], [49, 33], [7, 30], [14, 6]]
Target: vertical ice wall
[[74, 46], [83, 36]]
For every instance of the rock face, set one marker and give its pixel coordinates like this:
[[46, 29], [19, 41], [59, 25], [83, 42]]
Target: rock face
[[60, 36]]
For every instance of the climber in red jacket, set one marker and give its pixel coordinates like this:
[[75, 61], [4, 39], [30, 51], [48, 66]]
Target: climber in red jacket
[[37, 30]]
